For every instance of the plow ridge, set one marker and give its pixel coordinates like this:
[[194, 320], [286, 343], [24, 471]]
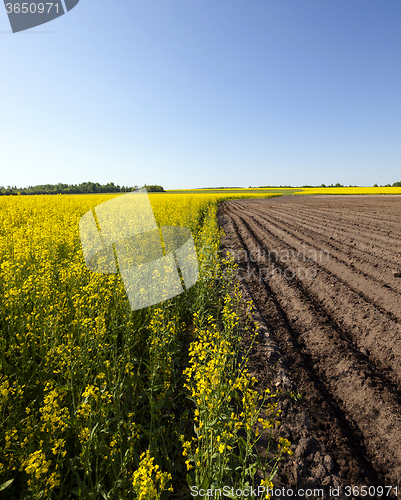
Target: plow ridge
[[322, 226], [337, 330], [335, 251]]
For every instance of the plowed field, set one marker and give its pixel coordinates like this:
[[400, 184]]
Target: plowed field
[[323, 273]]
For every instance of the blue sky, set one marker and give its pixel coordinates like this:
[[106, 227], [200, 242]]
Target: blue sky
[[202, 93]]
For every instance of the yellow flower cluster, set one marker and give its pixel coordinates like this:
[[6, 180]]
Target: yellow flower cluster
[[148, 480], [227, 407], [53, 419], [36, 464], [37, 467]]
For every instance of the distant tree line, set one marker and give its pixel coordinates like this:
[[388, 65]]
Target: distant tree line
[[396, 184], [307, 186], [154, 188], [338, 185], [274, 187], [83, 188]]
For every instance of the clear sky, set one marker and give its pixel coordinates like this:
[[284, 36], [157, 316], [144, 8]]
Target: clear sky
[[203, 93]]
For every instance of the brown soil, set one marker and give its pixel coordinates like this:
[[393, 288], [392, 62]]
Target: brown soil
[[324, 275]]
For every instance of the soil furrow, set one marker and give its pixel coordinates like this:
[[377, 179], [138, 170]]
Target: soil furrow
[[359, 222], [335, 305], [349, 240], [341, 431], [384, 297], [338, 333], [368, 208], [353, 257], [385, 233], [299, 297]]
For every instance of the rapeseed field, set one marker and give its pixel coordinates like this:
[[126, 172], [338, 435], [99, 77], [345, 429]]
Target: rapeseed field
[[99, 401]]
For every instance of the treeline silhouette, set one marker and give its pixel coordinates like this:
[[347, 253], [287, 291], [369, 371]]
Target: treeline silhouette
[[307, 186], [83, 188], [396, 184]]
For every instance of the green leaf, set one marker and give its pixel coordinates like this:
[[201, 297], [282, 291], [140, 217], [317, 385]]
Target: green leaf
[[101, 491], [93, 431], [6, 484], [230, 495], [205, 483]]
